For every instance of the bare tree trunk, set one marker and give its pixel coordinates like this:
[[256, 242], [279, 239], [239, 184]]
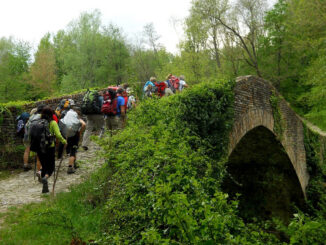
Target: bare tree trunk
[[216, 51]]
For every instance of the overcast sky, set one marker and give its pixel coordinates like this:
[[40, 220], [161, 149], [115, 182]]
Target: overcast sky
[[30, 20]]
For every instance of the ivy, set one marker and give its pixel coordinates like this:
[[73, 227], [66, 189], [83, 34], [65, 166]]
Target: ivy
[[278, 120], [315, 159]]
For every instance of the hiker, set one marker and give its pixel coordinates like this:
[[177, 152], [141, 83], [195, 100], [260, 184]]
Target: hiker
[[43, 133], [72, 127], [148, 91], [182, 83], [174, 83], [34, 115], [131, 99], [125, 95], [62, 108], [91, 107], [161, 86], [151, 82], [109, 110], [121, 109], [167, 91], [168, 81]]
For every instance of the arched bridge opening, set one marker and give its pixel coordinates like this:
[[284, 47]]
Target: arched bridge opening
[[260, 170]]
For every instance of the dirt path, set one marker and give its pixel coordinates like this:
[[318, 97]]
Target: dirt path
[[22, 188]]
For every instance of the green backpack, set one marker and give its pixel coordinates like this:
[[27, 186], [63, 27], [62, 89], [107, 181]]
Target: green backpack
[[91, 103]]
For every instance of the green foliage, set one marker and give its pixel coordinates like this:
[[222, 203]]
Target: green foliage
[[14, 62], [315, 155], [306, 230], [89, 54], [165, 169]]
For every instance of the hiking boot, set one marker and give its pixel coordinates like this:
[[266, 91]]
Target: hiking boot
[[45, 188], [38, 175], [27, 167], [71, 170]]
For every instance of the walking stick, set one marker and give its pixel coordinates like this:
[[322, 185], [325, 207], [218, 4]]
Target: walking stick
[[57, 173], [35, 160]]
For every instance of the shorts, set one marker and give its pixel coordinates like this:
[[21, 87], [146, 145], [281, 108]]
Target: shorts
[[72, 145]]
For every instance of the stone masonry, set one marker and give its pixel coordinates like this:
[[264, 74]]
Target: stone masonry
[[253, 108]]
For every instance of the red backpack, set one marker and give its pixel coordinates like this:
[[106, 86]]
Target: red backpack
[[175, 82], [109, 106], [161, 86]]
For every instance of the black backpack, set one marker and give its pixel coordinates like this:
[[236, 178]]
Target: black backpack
[[21, 122], [41, 138], [91, 103]]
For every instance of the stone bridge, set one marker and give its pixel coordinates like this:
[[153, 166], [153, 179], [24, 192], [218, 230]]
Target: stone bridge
[[267, 158], [261, 114]]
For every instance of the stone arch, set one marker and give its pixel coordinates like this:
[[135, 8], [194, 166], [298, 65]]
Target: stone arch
[[253, 108], [260, 169]]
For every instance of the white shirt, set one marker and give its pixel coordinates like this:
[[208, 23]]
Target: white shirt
[[182, 83]]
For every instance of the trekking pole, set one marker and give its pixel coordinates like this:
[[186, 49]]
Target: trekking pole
[[35, 160], [57, 173]]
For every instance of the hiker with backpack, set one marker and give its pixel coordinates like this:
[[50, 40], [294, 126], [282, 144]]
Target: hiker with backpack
[[71, 127], [161, 86], [109, 110], [167, 91], [62, 108], [168, 81], [91, 107], [42, 134], [114, 110], [34, 115], [182, 83], [131, 99], [151, 82], [174, 83], [121, 109]]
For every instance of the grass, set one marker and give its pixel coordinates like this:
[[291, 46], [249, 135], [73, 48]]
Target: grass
[[72, 216]]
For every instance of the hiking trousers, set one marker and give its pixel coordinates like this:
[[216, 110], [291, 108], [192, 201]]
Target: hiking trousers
[[113, 124], [47, 160], [95, 122]]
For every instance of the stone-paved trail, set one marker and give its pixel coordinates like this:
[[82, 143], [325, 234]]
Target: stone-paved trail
[[22, 188]]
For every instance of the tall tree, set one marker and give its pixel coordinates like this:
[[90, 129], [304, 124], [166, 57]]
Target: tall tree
[[14, 64], [89, 54], [209, 12], [42, 72]]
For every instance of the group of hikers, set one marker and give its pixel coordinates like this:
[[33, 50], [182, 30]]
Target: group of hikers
[[170, 86], [46, 131]]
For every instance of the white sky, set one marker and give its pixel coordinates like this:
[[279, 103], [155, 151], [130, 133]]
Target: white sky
[[30, 20]]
